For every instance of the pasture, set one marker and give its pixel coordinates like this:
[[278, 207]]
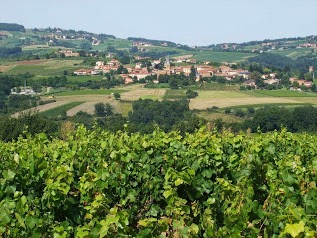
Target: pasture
[[278, 93], [43, 67], [89, 92], [203, 103], [117, 43], [174, 94], [143, 93]]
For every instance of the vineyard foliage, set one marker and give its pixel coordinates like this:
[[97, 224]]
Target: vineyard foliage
[[101, 184]]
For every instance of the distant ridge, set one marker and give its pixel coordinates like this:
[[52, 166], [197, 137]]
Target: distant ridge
[[21, 28]]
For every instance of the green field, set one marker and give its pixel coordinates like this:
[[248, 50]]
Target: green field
[[41, 49], [83, 78], [220, 94], [215, 87], [9, 42], [174, 94], [257, 106], [117, 43], [222, 56], [125, 108], [45, 68], [157, 85], [278, 93], [58, 111], [90, 92], [292, 53]]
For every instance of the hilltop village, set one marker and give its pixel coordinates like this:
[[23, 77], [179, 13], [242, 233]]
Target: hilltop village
[[140, 71]]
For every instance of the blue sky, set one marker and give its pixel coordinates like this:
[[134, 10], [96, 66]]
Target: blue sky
[[192, 22]]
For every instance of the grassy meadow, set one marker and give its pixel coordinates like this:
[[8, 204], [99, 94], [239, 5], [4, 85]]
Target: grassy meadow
[[43, 67], [89, 92], [278, 93]]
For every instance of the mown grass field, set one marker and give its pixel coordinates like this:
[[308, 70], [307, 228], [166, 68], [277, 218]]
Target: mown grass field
[[58, 111], [124, 108], [220, 94], [117, 43], [257, 106], [90, 92], [213, 86], [278, 93]]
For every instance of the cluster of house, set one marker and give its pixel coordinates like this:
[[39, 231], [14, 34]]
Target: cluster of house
[[140, 72], [273, 80], [308, 45], [23, 91], [301, 82], [58, 35]]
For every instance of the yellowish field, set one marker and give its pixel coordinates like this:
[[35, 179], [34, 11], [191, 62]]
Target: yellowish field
[[221, 94], [203, 103], [4, 68], [205, 99], [312, 100], [155, 94]]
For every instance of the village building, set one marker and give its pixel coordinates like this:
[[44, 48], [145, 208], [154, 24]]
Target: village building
[[69, 53], [108, 68], [80, 72], [99, 65], [113, 62], [250, 83]]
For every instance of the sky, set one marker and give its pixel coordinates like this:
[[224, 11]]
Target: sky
[[190, 22]]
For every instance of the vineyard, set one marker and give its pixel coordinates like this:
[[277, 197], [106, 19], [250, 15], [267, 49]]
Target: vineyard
[[205, 184]]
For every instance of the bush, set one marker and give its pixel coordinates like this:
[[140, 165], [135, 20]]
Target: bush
[[117, 95], [191, 94]]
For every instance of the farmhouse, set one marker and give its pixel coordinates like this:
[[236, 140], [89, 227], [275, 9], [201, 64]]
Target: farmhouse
[[82, 72], [69, 53], [250, 82]]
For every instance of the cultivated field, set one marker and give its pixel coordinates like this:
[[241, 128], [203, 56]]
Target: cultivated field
[[143, 93], [278, 93], [221, 98], [85, 92], [203, 103]]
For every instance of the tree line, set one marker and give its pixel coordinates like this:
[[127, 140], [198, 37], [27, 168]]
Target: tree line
[[270, 118], [11, 27], [10, 52]]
